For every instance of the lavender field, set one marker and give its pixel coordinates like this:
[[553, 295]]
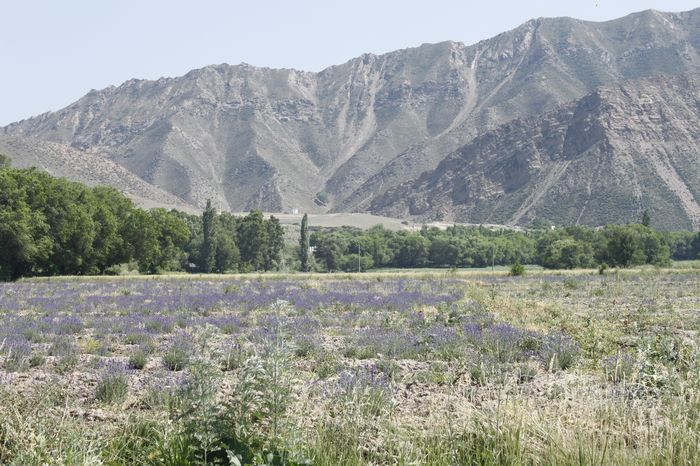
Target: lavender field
[[432, 368]]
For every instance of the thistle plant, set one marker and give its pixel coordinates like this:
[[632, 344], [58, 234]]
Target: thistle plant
[[198, 412], [232, 355], [260, 399]]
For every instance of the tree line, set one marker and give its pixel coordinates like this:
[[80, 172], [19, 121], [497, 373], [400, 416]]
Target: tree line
[[461, 246], [51, 226], [223, 242]]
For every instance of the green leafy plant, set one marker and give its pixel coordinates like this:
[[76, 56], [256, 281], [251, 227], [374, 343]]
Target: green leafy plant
[[113, 386], [138, 359], [517, 269]]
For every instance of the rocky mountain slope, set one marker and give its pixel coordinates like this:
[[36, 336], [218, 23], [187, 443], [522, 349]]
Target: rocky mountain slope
[[63, 161], [602, 159], [256, 137]]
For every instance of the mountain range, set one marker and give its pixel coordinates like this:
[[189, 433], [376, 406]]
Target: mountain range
[[559, 119]]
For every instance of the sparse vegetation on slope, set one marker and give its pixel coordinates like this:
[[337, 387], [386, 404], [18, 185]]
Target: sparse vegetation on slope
[[606, 158]]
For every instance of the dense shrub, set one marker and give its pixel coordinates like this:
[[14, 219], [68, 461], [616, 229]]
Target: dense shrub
[[517, 269]]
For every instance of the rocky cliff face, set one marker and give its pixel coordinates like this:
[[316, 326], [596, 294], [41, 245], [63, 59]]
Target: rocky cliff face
[[602, 159], [255, 137]]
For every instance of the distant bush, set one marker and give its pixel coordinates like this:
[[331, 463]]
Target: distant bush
[[323, 197], [517, 269]]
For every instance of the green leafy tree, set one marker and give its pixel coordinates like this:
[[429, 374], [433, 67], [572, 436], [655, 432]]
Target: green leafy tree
[[226, 256], [53, 226], [411, 250], [350, 262], [5, 161], [68, 208], [632, 245], [208, 252], [304, 244], [681, 244], [330, 249], [377, 245], [445, 251], [24, 234], [111, 211], [193, 248], [695, 246], [252, 240], [624, 247], [656, 250], [568, 253], [24, 242], [274, 236], [157, 238]]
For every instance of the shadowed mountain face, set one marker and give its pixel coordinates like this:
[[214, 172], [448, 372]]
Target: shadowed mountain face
[[255, 137]]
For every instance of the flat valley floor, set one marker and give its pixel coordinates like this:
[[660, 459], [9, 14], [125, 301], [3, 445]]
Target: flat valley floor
[[427, 367]]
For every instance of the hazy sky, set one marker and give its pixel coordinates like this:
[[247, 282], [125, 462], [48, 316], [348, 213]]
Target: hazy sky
[[53, 52]]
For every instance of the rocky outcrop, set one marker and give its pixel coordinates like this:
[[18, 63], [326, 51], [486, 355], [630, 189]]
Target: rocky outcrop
[[602, 159]]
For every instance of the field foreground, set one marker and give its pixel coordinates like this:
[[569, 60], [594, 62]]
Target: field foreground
[[434, 368]]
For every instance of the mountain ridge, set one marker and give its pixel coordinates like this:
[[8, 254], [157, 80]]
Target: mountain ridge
[[577, 154], [250, 137]]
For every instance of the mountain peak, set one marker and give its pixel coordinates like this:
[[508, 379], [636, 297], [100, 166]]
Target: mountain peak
[[255, 137]]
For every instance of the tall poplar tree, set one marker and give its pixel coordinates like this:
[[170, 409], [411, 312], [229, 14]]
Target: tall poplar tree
[[252, 241], [304, 244], [208, 255], [274, 245]]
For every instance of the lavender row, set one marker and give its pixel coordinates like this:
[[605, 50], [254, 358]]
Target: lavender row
[[198, 295]]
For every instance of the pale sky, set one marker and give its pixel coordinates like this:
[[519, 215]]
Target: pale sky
[[53, 52]]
